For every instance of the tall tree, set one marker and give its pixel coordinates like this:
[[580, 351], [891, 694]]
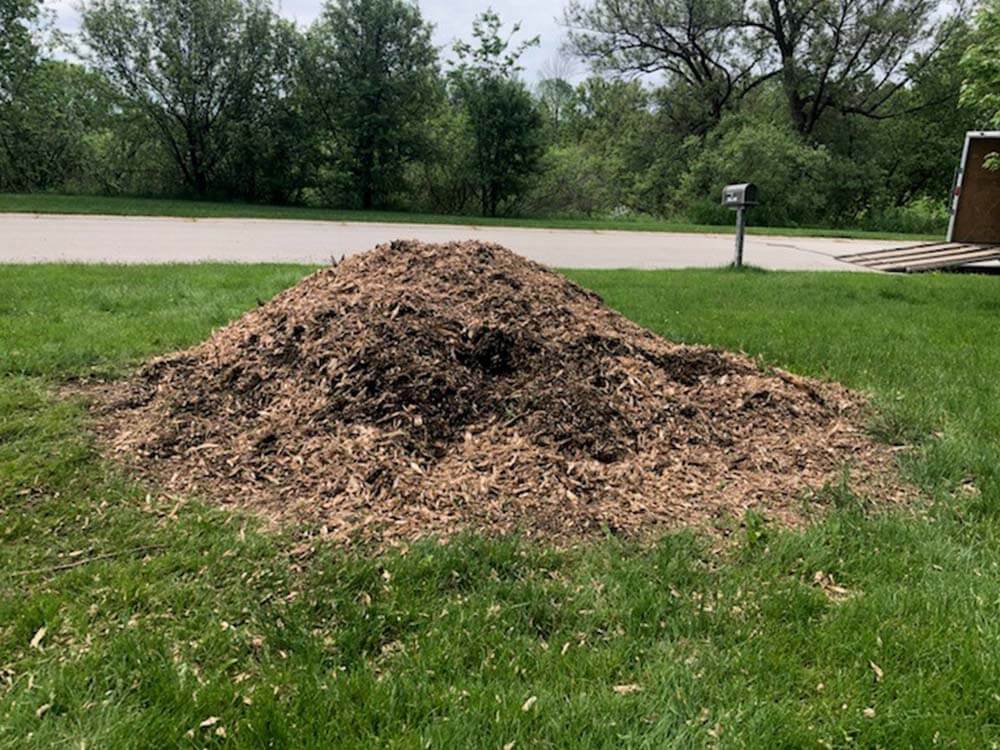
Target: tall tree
[[851, 56], [981, 66], [373, 70], [557, 98], [47, 107], [18, 63], [44, 130], [197, 68], [504, 122], [697, 44], [18, 52]]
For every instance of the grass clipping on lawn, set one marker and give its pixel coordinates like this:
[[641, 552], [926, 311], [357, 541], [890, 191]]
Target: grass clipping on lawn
[[426, 389]]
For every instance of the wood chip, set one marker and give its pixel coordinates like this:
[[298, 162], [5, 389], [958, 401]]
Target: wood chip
[[627, 689]]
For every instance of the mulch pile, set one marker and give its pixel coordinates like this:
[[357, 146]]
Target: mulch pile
[[424, 389]]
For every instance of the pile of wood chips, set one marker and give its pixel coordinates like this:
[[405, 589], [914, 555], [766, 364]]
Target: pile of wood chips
[[426, 389]]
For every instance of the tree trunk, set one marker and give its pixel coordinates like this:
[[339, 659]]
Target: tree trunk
[[200, 183], [366, 176], [796, 106], [199, 179]]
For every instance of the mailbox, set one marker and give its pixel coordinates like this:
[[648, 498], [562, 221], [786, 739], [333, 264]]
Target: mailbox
[[741, 195]]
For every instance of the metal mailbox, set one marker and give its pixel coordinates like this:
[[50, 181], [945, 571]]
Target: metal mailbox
[[741, 195]]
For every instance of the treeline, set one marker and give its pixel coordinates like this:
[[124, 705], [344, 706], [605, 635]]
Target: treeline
[[845, 112]]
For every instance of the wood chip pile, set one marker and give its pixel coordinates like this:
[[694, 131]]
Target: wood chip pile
[[425, 389]]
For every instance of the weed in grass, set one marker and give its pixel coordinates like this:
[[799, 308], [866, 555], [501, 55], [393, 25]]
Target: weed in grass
[[841, 496], [755, 526]]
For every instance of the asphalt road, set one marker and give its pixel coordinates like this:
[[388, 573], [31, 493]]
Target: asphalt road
[[32, 238]]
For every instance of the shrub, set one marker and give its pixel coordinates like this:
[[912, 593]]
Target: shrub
[[793, 177]]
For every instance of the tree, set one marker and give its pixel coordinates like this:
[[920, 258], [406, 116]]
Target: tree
[[557, 99], [196, 68], [851, 56], [556, 95], [18, 52], [695, 43], [373, 73], [43, 138], [443, 175], [771, 155], [625, 130], [18, 62], [126, 156], [981, 66], [46, 106], [504, 123], [913, 155]]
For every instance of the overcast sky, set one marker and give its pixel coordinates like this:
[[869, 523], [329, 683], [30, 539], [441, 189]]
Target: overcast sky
[[451, 18]]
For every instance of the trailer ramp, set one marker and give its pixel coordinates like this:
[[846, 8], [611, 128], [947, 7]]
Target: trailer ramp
[[930, 256]]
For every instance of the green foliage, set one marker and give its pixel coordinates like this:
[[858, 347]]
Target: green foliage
[[572, 180], [981, 65], [201, 71], [696, 46], [631, 152], [372, 73], [919, 216], [910, 157], [849, 117], [20, 80], [444, 176], [503, 121], [557, 102], [848, 57], [125, 156], [616, 153], [43, 131], [18, 51], [773, 157]]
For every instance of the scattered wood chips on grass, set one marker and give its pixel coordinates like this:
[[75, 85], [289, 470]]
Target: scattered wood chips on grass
[[426, 389]]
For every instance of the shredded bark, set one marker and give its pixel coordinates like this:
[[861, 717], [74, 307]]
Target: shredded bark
[[426, 389]]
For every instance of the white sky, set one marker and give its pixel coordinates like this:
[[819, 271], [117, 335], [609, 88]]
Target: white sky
[[452, 19]]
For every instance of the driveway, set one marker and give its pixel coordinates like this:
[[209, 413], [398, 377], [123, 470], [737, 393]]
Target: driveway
[[36, 238]]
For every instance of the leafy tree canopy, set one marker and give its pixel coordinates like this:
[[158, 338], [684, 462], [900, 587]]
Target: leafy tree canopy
[[373, 76], [195, 67], [504, 122]]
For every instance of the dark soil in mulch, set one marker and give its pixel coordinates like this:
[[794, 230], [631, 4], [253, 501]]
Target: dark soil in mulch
[[426, 389]]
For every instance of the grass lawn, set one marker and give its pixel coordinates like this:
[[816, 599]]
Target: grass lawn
[[80, 204], [130, 620]]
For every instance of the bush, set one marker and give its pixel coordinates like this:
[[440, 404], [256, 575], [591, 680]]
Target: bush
[[793, 177], [573, 182], [920, 216]]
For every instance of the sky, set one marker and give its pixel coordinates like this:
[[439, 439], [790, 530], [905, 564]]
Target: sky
[[452, 19]]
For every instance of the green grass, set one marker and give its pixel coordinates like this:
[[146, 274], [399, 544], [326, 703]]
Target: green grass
[[185, 613], [103, 205]]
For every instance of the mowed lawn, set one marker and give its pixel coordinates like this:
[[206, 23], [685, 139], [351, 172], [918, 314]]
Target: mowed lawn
[[133, 620]]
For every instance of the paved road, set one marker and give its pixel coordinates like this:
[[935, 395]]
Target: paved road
[[31, 238]]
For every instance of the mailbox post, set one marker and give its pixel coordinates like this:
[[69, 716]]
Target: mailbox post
[[740, 197]]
